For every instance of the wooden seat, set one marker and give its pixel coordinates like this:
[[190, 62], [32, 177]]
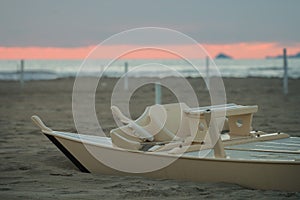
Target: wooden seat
[[239, 117], [177, 125], [163, 122]]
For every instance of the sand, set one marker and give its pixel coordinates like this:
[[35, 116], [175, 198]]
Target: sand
[[33, 168]]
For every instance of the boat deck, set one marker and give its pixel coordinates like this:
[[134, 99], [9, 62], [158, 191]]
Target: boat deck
[[287, 149]]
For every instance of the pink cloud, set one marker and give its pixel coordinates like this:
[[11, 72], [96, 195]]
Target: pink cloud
[[237, 50]]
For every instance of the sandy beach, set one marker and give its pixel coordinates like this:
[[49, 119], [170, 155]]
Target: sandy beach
[[33, 168]]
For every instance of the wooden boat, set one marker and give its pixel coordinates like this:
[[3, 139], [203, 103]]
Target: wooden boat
[[174, 141]]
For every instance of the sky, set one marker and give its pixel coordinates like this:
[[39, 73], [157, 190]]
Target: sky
[[69, 29]]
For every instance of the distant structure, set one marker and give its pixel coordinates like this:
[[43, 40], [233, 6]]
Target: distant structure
[[125, 76], [157, 93], [22, 73], [285, 73], [297, 55], [207, 72], [223, 56]]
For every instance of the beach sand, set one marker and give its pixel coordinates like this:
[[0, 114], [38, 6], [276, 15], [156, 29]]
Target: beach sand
[[33, 168]]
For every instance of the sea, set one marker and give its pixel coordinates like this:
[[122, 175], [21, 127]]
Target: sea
[[236, 68]]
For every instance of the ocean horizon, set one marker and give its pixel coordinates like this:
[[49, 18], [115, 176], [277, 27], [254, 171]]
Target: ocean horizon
[[229, 68]]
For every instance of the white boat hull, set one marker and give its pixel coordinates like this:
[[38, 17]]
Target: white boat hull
[[260, 174]]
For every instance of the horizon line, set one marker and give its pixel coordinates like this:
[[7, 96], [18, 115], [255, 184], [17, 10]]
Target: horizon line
[[236, 51]]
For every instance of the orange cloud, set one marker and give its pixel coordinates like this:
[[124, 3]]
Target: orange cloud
[[251, 50], [43, 52], [237, 50]]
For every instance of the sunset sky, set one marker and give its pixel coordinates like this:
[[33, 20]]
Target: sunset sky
[[64, 29]]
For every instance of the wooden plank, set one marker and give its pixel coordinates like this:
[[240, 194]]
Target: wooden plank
[[230, 110]]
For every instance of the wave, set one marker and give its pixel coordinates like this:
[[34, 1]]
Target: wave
[[28, 75], [54, 69]]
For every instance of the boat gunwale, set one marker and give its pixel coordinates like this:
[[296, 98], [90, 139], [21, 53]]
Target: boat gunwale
[[181, 156]]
